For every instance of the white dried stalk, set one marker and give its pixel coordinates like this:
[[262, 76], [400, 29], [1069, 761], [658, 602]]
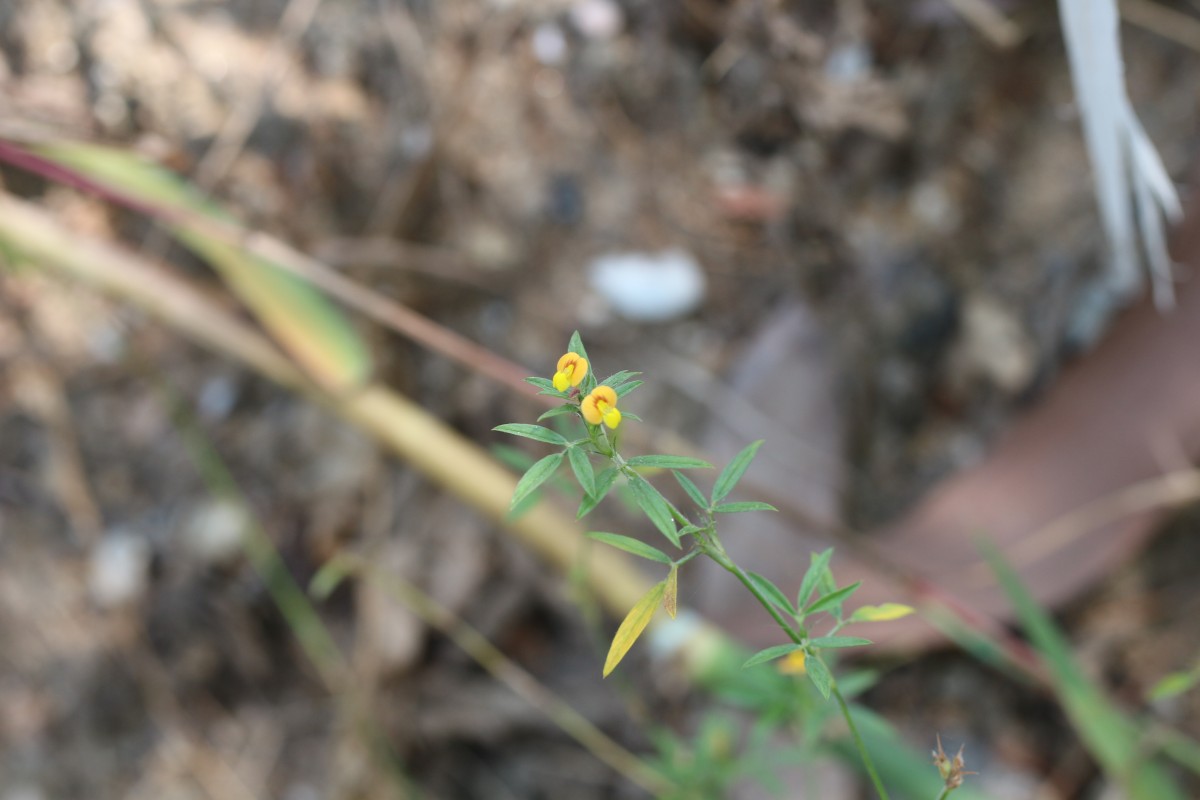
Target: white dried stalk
[[1132, 187]]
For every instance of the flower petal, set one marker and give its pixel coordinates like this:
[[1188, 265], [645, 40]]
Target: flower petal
[[590, 413], [605, 394]]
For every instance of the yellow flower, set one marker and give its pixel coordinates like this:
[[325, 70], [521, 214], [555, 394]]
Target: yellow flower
[[793, 663], [572, 367], [601, 406]]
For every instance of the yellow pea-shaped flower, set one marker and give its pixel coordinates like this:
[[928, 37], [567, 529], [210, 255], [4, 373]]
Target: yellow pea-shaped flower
[[601, 406], [572, 368]]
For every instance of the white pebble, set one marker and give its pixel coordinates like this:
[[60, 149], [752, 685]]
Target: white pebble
[[216, 531], [549, 45], [649, 287], [597, 19], [118, 569]]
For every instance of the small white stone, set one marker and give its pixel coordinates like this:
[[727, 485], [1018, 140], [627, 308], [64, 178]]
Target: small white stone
[[118, 570], [216, 531], [549, 45], [848, 63], [993, 346], [217, 398], [649, 287], [597, 19]]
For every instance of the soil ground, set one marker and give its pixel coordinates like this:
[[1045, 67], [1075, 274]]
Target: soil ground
[[919, 193]]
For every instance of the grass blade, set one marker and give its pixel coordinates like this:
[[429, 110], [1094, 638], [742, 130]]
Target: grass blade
[[299, 317], [1107, 733]]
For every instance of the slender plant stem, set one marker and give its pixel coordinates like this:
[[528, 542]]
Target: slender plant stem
[[718, 555], [726, 562], [944, 793], [858, 742]]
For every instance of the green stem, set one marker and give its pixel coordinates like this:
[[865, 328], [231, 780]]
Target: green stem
[[862, 748], [942, 795], [717, 553], [686, 557]]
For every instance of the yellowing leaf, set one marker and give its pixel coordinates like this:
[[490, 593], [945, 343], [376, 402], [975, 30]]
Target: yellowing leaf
[[881, 613], [671, 596], [631, 628]]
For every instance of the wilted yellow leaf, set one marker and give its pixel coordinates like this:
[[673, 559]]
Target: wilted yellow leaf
[[881, 613], [670, 597], [631, 628]]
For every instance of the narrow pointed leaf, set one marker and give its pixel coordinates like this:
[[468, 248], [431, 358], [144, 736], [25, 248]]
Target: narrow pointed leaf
[[604, 482], [818, 673], [669, 462], [825, 582], [329, 577], [632, 626], [535, 476], [692, 490], [730, 476], [557, 411], [816, 568], [771, 653], [535, 432], [589, 380], [778, 598], [839, 641], [626, 388], [737, 508], [576, 346], [545, 384], [656, 508], [1173, 684], [619, 378], [833, 600], [631, 545], [671, 594], [582, 467]]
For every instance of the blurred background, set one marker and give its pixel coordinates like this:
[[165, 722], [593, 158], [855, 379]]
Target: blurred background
[[864, 231]]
